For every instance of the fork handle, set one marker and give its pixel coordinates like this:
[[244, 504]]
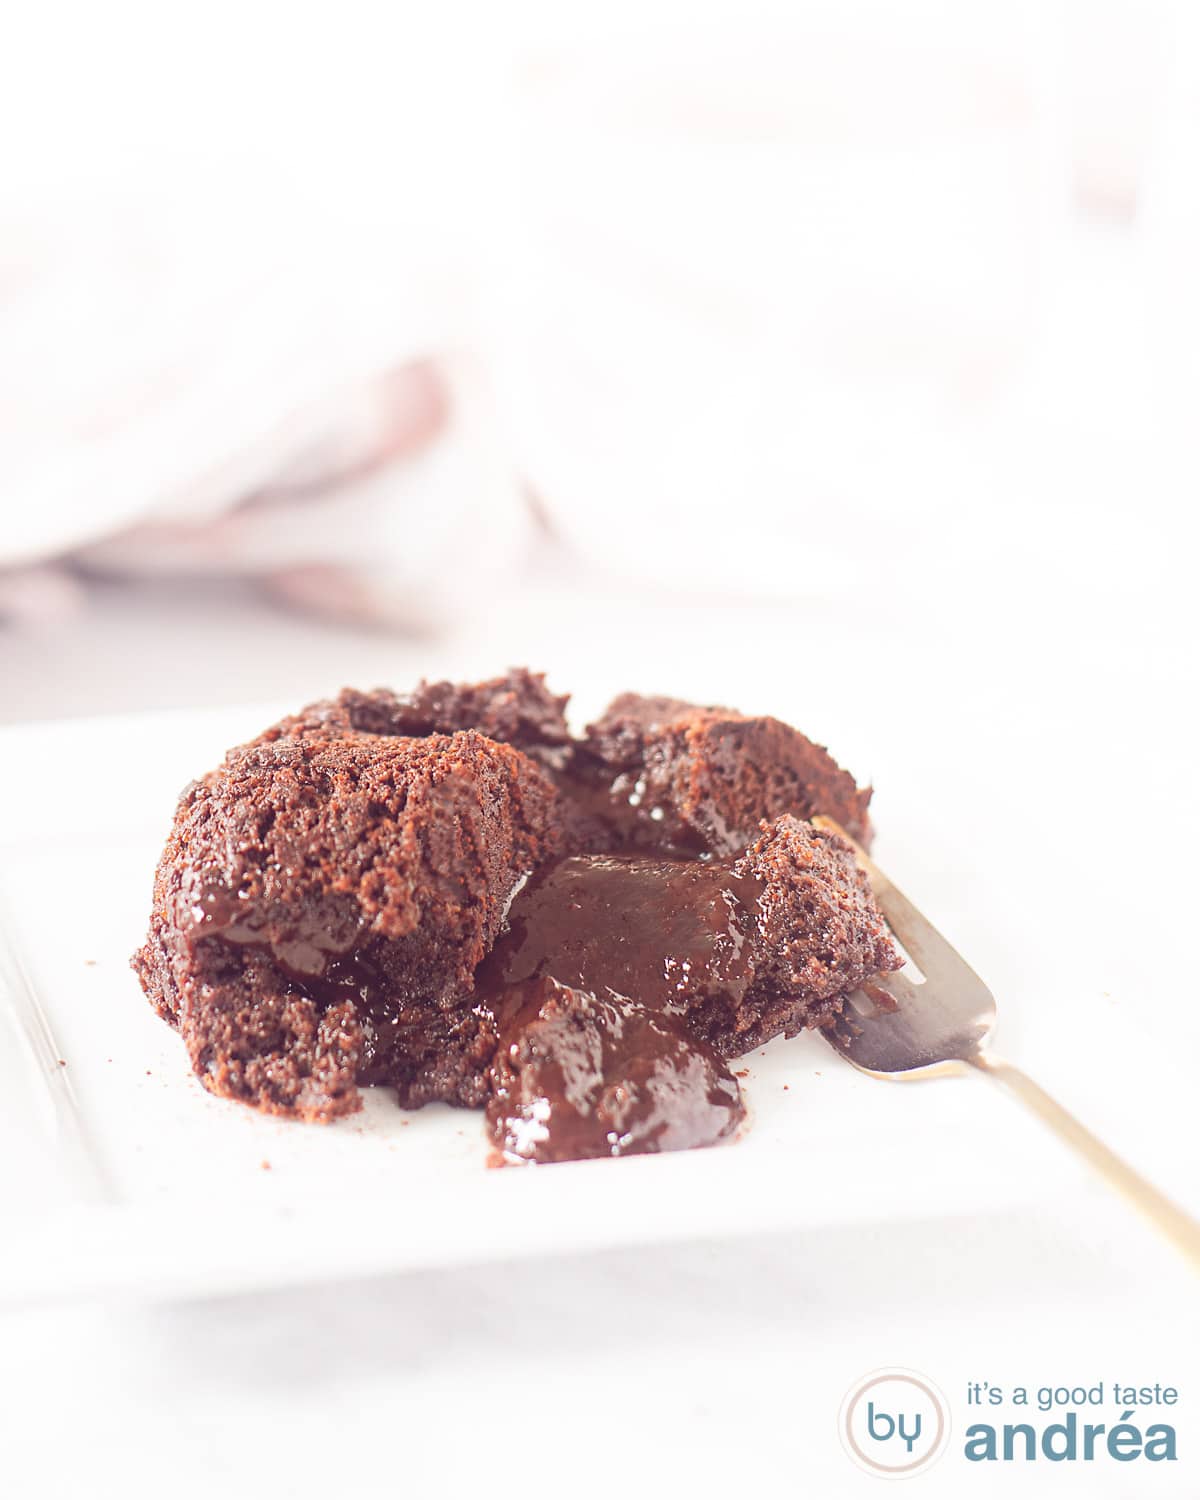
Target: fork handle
[[1179, 1227]]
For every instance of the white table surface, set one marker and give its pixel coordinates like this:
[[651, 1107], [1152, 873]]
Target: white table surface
[[1016, 685]]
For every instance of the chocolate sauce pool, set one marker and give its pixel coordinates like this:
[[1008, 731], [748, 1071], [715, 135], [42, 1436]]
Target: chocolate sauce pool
[[586, 988], [577, 1076]]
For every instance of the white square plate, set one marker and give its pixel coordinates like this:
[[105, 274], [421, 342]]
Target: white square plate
[[119, 1173]]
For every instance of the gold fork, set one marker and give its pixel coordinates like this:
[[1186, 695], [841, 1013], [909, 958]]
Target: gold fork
[[895, 1028]]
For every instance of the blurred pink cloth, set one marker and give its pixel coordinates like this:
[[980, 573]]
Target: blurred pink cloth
[[808, 265], [381, 503], [240, 340]]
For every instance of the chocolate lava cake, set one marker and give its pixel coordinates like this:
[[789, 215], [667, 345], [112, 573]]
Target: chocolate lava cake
[[446, 893]]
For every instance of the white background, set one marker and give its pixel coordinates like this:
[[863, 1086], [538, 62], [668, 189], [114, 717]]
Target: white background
[[848, 348]]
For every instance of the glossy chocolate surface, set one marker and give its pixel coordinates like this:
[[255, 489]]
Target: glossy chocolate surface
[[576, 1076], [665, 933]]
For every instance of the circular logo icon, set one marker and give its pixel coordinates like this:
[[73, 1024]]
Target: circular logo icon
[[894, 1423]]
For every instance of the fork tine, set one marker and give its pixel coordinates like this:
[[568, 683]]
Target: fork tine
[[883, 989], [933, 955]]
